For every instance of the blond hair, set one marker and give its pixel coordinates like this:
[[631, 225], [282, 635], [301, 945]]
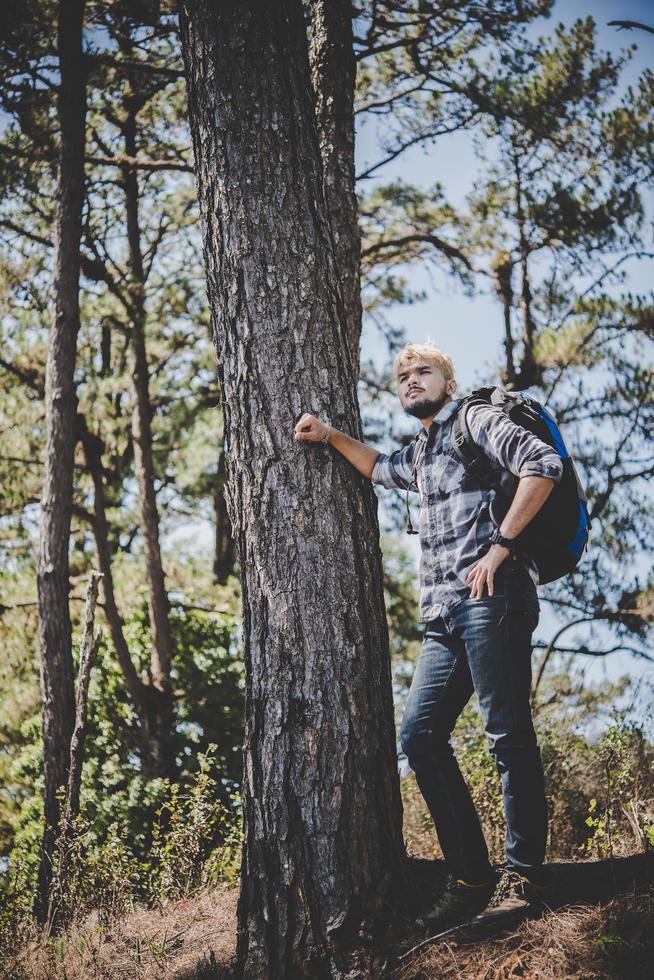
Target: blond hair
[[424, 352]]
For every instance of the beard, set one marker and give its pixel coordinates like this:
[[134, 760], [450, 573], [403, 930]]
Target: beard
[[423, 408]]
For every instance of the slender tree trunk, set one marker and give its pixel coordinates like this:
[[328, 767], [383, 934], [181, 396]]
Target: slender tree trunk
[[323, 851], [93, 453], [503, 278], [224, 555], [144, 696], [57, 684], [60, 907], [530, 372], [162, 718], [333, 74]]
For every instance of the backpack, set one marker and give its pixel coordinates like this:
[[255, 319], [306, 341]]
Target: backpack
[[557, 536]]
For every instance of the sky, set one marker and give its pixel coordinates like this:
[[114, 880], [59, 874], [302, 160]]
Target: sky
[[470, 328]]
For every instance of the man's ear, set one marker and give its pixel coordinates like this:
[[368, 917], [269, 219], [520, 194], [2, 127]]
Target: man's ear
[[451, 386]]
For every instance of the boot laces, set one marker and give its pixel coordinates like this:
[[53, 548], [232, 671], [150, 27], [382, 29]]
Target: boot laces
[[510, 883]]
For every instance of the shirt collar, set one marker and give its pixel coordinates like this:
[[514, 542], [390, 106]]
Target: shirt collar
[[446, 413]]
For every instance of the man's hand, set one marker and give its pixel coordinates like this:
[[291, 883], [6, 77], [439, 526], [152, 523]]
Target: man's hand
[[531, 493], [483, 572], [310, 429]]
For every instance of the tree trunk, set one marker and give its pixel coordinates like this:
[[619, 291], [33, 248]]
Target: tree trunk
[[162, 716], [323, 851], [530, 371], [57, 684], [333, 74], [60, 908], [153, 745], [224, 554], [503, 281]]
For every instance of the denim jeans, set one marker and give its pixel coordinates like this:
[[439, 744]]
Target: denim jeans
[[482, 645]]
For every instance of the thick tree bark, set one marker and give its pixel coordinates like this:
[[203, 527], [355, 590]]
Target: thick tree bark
[[162, 713], [323, 851], [333, 74], [57, 685]]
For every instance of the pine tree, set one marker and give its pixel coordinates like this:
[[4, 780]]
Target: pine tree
[[323, 845]]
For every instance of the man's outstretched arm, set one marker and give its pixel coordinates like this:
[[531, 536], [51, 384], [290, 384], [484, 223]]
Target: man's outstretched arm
[[362, 457]]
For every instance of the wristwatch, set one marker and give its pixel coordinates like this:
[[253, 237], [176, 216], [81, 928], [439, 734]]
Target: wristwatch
[[498, 538]]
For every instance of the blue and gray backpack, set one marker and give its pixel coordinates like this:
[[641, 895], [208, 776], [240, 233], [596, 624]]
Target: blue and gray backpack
[[558, 534]]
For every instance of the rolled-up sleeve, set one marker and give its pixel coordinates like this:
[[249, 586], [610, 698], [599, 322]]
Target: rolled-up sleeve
[[510, 446], [395, 471]]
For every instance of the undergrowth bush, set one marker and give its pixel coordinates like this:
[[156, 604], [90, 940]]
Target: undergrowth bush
[[196, 841], [600, 791]]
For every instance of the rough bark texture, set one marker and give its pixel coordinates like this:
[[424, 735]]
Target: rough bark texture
[[333, 74], [323, 852], [57, 685], [161, 715]]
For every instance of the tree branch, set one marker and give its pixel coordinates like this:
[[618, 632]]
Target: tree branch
[[138, 163], [450, 250]]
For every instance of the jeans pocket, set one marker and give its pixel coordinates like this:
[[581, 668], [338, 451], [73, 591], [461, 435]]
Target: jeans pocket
[[527, 614]]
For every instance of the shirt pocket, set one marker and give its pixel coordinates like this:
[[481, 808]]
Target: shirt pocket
[[448, 474]]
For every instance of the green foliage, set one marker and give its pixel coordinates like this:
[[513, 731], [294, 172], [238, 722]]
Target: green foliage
[[624, 808], [188, 824], [195, 841], [117, 802], [401, 599], [609, 942], [600, 790], [401, 224]]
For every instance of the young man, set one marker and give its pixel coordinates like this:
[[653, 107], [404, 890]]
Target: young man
[[479, 603]]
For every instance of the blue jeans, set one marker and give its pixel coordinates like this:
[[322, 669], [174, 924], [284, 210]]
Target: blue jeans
[[482, 645]]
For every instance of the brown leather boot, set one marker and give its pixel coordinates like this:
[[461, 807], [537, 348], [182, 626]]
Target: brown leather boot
[[518, 895]]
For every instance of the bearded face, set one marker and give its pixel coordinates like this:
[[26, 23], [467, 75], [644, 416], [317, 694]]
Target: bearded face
[[423, 390]]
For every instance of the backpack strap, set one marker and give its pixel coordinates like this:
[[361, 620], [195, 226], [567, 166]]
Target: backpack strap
[[473, 458]]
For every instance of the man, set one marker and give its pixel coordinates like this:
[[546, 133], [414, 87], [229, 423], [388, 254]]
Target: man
[[479, 603]]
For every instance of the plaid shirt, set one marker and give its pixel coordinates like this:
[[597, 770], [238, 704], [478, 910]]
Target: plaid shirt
[[455, 523]]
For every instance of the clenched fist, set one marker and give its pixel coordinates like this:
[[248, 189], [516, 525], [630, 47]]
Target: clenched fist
[[311, 429]]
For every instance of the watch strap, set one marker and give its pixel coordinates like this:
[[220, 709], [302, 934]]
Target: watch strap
[[498, 538]]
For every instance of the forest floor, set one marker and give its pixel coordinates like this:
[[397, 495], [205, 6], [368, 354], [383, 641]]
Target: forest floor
[[600, 924]]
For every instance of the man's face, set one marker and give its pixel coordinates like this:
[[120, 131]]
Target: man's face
[[423, 390]]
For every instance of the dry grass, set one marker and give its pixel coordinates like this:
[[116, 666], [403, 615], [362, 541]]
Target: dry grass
[[194, 939], [191, 938], [615, 940], [603, 927]]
